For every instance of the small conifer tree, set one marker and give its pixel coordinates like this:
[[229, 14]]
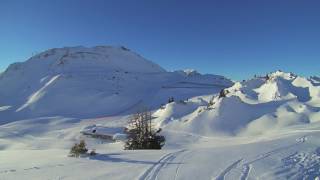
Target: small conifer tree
[[170, 100], [78, 149]]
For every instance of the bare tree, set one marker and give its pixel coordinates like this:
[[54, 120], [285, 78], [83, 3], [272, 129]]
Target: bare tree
[[142, 134]]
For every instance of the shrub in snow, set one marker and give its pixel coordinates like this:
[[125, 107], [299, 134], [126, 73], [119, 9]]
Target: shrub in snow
[[170, 100], [267, 77], [211, 102], [141, 134], [223, 93], [78, 149], [93, 152]]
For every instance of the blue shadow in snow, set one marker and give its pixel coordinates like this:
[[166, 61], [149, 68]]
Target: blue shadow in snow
[[112, 158]]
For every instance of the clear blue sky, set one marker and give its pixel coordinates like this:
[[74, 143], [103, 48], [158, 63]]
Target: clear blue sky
[[235, 38]]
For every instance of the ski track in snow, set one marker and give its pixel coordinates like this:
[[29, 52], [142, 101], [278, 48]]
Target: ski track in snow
[[227, 170], [246, 167], [179, 164], [153, 172], [245, 171], [300, 165]]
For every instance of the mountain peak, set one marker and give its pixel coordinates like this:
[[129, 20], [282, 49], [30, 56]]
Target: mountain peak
[[188, 72], [88, 82], [80, 58], [281, 74]]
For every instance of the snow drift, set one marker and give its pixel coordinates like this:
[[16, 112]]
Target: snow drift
[[256, 106]]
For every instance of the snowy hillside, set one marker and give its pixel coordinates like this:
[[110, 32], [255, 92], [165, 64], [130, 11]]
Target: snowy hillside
[[256, 106], [267, 127], [37, 149], [92, 82]]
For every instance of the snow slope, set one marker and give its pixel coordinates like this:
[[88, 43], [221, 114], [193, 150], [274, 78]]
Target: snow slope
[[257, 106], [37, 149], [92, 82], [263, 128]]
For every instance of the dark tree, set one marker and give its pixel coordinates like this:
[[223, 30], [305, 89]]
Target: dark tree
[[223, 93], [170, 100], [141, 134], [78, 149], [267, 77]]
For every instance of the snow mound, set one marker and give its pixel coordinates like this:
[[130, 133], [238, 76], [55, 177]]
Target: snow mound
[[256, 106]]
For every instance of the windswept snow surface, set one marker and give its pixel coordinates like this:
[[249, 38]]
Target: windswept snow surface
[[257, 106], [264, 128], [38, 148]]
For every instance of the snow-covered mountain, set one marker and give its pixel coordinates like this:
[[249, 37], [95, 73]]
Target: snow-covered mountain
[[91, 82], [256, 106], [263, 128]]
